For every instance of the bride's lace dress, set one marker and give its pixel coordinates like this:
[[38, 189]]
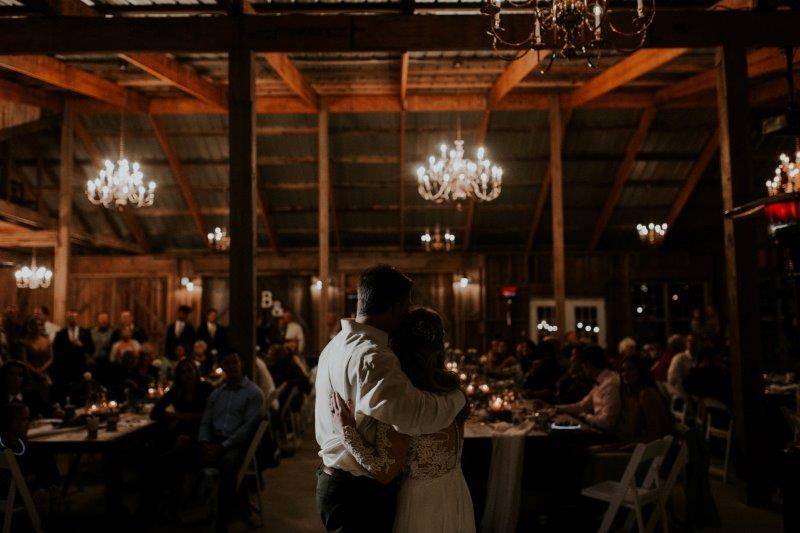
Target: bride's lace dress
[[433, 495]]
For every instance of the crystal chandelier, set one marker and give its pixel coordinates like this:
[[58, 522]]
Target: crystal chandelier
[[787, 176], [33, 277], [120, 185], [651, 233], [452, 177], [219, 239], [581, 27], [437, 242]]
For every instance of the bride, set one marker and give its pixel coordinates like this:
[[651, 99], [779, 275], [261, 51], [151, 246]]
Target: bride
[[433, 494]]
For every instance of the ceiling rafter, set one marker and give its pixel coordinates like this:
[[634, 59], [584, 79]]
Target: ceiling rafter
[[298, 83], [703, 160], [623, 174]]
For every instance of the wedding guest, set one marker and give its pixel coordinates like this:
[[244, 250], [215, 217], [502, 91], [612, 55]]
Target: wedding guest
[[711, 330], [126, 321], [293, 347], [626, 348], [213, 334], [286, 372], [571, 341], [38, 468], [50, 328], [205, 362], [179, 333], [15, 388], [709, 378], [293, 331], [101, 336], [14, 328], [601, 406], [501, 360], [231, 416], [544, 372], [125, 343], [37, 349], [71, 350], [573, 385], [675, 345], [696, 322], [679, 368], [644, 414], [526, 353], [187, 397], [263, 379]]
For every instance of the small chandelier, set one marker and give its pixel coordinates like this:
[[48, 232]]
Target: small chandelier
[[120, 185], [787, 176], [437, 242], [581, 27], [452, 177], [33, 276], [651, 233], [219, 239]]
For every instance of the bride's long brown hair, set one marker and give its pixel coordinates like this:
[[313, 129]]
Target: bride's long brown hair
[[419, 344]]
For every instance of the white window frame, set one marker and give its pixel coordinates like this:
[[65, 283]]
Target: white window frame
[[571, 304]]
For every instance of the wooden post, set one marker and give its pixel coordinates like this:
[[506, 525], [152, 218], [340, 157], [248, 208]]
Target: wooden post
[[61, 261], [324, 221], [401, 151], [741, 238], [557, 209], [242, 150]]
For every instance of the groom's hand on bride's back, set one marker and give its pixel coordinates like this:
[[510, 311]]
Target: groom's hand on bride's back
[[342, 411]]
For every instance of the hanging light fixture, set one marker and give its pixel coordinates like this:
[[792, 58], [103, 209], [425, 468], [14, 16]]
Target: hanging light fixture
[[219, 239], [117, 186], [438, 242], [652, 233], [452, 177], [582, 28], [33, 276]]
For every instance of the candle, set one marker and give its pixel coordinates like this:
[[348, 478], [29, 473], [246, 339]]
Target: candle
[[112, 405], [484, 388], [218, 371], [463, 377], [470, 389]]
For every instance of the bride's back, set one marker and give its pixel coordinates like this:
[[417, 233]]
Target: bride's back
[[433, 455]]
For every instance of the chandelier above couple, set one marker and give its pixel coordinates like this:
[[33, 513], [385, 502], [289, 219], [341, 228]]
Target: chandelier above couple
[[572, 28]]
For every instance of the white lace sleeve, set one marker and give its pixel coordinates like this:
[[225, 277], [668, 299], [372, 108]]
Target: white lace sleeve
[[376, 459]]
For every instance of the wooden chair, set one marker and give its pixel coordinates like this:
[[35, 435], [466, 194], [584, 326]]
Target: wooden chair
[[17, 484], [715, 430], [626, 493], [250, 467]]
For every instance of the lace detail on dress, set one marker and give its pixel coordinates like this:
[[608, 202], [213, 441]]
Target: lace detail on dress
[[375, 458], [434, 455]]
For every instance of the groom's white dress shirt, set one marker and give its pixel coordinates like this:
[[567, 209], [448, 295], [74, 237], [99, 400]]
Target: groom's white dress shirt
[[359, 365]]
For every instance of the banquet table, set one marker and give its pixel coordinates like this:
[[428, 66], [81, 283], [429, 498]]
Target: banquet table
[[115, 447], [519, 471]]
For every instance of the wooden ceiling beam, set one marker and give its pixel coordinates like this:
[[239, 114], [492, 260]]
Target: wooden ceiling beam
[[165, 68], [404, 64], [13, 92], [622, 175], [286, 70], [269, 228], [514, 73], [131, 220], [65, 76], [685, 192], [180, 178]]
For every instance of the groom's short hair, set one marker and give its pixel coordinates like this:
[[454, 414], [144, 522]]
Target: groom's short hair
[[381, 287]]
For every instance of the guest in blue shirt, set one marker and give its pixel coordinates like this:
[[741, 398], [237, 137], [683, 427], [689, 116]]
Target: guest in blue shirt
[[229, 421]]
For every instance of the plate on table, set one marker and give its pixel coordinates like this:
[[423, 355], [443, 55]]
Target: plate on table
[[565, 424]]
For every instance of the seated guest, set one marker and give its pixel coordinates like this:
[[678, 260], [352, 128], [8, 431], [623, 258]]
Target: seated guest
[[14, 388], [286, 372], [187, 397], [126, 321], [71, 352], [675, 345], [179, 333], [213, 334], [204, 361], [231, 416], [526, 353], [709, 378], [293, 346], [126, 343], [679, 368], [502, 361], [644, 415], [601, 406], [119, 377], [540, 381], [571, 341], [144, 373], [101, 336], [626, 348], [39, 469], [263, 379], [573, 385]]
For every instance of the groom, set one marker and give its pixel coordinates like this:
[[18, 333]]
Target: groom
[[360, 366]]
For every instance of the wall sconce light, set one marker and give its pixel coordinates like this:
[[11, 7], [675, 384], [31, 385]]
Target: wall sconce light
[[463, 282]]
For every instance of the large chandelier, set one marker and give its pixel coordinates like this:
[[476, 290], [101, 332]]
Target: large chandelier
[[117, 186], [33, 276], [219, 239], [580, 27], [438, 242], [652, 233], [452, 177]]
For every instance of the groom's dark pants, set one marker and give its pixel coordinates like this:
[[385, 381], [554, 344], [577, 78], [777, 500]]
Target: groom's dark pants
[[355, 504]]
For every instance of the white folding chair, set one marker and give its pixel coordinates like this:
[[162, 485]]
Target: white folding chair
[[250, 468], [16, 484], [715, 430], [627, 493], [678, 406]]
